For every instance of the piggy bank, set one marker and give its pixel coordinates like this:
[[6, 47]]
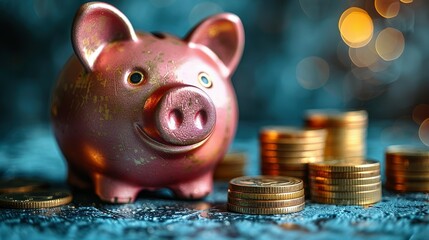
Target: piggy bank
[[136, 111]]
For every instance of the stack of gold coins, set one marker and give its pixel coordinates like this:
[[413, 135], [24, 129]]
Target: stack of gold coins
[[345, 182], [266, 195], [346, 137], [407, 168], [231, 166], [286, 151]]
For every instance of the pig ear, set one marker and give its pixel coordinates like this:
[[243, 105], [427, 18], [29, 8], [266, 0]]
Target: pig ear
[[95, 25], [224, 35]]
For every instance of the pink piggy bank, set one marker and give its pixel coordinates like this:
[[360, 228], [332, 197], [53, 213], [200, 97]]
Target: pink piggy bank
[[134, 111]]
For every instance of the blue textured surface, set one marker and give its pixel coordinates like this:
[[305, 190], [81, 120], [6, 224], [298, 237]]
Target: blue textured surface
[[33, 152]]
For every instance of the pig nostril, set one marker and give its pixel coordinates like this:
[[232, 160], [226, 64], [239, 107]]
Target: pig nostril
[[175, 119], [200, 119]]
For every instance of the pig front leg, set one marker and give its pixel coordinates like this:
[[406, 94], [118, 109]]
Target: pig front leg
[[113, 190], [194, 189]]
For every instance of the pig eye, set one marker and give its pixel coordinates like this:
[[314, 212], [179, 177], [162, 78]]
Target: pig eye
[[136, 77], [205, 80]]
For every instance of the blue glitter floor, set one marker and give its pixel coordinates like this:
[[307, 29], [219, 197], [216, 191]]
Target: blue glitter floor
[[33, 153]]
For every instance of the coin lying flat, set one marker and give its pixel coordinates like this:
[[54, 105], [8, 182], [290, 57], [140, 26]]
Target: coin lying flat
[[292, 146], [300, 154], [408, 186], [266, 203], [345, 181], [347, 195], [291, 160], [20, 185], [321, 118], [273, 172], [250, 210], [345, 166], [335, 201], [283, 132], [36, 199], [343, 188], [342, 175], [285, 166], [406, 167], [265, 184], [408, 151], [267, 196]]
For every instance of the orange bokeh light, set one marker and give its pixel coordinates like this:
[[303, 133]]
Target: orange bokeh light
[[356, 27], [387, 8], [406, 1]]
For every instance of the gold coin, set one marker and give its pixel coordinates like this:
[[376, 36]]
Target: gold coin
[[406, 167], [265, 184], [233, 158], [362, 174], [266, 203], [36, 199], [346, 195], [408, 176], [298, 174], [270, 196], [414, 152], [335, 118], [345, 181], [313, 153], [342, 145], [291, 160], [283, 132], [356, 132], [344, 151], [363, 202], [265, 211], [298, 140], [285, 166], [408, 187], [16, 185], [345, 187], [345, 166], [292, 146], [405, 181], [407, 161]]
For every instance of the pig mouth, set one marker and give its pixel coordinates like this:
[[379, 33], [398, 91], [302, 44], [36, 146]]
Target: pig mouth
[[164, 147]]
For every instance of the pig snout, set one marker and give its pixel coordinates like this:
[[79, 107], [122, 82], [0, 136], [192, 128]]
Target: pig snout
[[184, 116]]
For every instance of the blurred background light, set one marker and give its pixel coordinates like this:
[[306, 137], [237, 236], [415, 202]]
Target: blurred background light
[[312, 72], [424, 132], [406, 1], [387, 8], [364, 56], [420, 113], [390, 44], [356, 27]]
